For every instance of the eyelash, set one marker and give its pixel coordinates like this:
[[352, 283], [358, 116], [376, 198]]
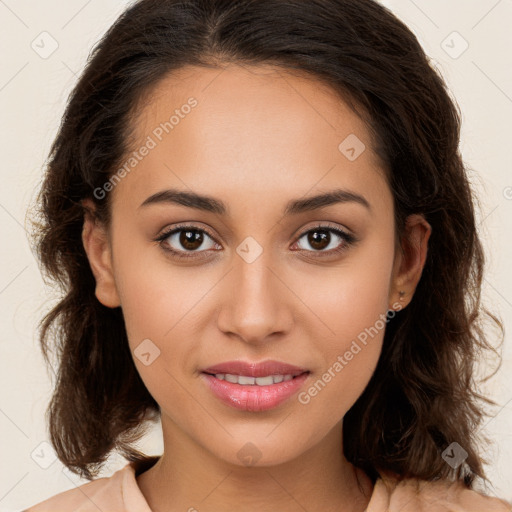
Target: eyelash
[[347, 238]]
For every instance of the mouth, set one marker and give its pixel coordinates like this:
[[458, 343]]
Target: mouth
[[249, 371], [254, 387]]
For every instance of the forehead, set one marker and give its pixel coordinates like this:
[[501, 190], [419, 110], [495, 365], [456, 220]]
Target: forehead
[[246, 128], [265, 100]]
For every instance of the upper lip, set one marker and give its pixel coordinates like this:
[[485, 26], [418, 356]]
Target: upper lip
[[256, 369]]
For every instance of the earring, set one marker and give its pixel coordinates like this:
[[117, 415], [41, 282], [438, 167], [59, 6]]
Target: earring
[[402, 293]]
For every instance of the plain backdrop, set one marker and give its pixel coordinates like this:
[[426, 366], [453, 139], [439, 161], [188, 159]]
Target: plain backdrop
[[44, 46]]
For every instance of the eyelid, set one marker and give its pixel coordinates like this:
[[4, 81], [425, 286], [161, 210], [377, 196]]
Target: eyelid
[[325, 226], [167, 232]]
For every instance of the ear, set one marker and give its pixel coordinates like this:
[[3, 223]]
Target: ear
[[98, 250], [410, 259]]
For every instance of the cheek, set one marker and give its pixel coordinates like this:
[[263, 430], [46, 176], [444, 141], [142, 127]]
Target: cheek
[[350, 297], [350, 358], [352, 306], [162, 307], [154, 295]]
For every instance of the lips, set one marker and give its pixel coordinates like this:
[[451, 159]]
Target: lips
[[232, 383], [255, 369]]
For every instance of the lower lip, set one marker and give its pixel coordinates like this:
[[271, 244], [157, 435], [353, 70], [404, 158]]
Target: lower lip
[[254, 398]]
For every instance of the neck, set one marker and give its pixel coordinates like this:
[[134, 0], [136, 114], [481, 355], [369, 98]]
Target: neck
[[188, 477]]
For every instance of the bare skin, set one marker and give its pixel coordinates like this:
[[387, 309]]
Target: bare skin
[[257, 138]]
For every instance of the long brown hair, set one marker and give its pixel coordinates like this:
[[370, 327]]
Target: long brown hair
[[423, 394]]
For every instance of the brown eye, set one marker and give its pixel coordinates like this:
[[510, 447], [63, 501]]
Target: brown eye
[[319, 239], [181, 240], [326, 237], [190, 239]]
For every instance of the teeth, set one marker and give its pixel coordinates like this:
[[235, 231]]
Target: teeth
[[250, 381]]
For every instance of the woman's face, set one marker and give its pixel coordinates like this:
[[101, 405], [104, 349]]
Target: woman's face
[[259, 272]]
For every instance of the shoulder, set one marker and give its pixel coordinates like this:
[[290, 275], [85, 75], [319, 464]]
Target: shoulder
[[413, 495], [117, 493]]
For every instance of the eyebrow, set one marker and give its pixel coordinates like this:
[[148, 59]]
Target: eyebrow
[[293, 207]]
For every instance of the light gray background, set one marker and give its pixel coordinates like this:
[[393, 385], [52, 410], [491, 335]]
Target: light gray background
[[33, 91]]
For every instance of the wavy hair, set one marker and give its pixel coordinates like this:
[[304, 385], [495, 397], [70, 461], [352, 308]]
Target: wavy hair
[[423, 394]]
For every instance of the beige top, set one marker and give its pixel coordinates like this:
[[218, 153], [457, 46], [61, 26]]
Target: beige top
[[120, 493]]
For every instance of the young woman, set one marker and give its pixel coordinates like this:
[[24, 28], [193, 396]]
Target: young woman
[[266, 239]]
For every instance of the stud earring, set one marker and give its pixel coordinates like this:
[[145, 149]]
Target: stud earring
[[402, 293]]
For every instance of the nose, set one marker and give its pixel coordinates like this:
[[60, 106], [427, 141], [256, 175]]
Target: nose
[[257, 304]]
